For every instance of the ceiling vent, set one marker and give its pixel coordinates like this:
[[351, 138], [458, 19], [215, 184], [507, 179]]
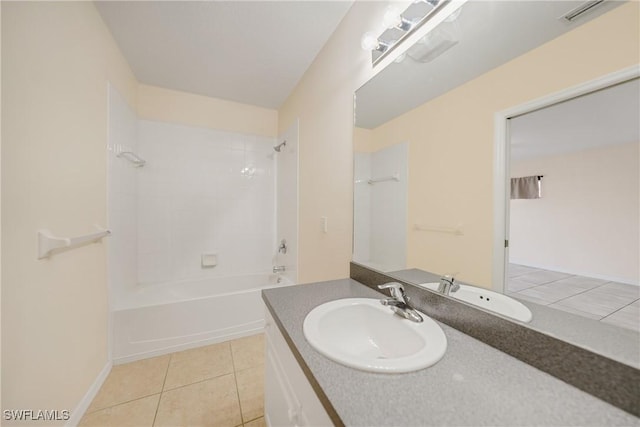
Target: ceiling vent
[[581, 10]]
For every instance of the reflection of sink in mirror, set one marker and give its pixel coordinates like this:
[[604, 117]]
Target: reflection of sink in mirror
[[362, 333], [488, 300]]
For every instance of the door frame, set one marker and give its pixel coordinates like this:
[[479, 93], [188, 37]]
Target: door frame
[[502, 157]]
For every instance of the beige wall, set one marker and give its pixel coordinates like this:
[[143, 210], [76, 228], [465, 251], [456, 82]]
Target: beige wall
[[0, 204], [586, 223], [451, 139], [323, 101], [155, 103], [362, 140], [57, 59]]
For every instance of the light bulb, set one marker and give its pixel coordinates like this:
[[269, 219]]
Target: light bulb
[[369, 41], [391, 17]]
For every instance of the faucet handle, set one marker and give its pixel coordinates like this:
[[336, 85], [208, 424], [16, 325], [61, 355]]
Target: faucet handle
[[396, 289], [453, 286]]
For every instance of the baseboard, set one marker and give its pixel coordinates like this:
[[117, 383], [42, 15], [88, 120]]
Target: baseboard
[[187, 346], [577, 273], [83, 405]]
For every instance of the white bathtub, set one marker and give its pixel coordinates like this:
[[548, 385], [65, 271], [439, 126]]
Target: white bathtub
[[163, 318]]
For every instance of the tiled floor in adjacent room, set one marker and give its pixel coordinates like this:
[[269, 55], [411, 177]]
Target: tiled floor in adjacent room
[[217, 385], [610, 302]]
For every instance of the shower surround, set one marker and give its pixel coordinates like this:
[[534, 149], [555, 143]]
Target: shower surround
[[201, 192]]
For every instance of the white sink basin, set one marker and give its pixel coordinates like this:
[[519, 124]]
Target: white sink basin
[[364, 334], [489, 300]]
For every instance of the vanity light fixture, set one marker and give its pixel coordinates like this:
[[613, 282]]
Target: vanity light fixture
[[406, 22], [433, 3], [581, 10]]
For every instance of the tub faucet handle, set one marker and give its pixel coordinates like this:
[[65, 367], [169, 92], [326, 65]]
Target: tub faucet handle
[[283, 246], [448, 285]]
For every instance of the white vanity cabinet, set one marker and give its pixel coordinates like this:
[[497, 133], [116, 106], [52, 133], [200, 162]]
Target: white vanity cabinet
[[289, 399]]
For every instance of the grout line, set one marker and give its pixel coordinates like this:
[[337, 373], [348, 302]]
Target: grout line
[[579, 293], [198, 382], [550, 305], [162, 391], [624, 306], [600, 285], [166, 373], [564, 298], [235, 378], [122, 403], [541, 284], [593, 289], [207, 378], [253, 419], [539, 298]]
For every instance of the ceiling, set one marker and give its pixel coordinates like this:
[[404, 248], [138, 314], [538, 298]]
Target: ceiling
[[606, 117], [253, 52], [486, 34]]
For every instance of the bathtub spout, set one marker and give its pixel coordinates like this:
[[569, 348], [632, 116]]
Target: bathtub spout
[[279, 268]]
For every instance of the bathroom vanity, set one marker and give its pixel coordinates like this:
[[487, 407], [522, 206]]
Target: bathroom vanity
[[473, 384], [289, 397]]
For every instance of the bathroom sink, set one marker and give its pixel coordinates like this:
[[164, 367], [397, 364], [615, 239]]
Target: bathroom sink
[[488, 300], [364, 334]]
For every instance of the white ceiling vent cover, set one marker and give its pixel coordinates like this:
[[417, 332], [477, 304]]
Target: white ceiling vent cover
[[581, 10]]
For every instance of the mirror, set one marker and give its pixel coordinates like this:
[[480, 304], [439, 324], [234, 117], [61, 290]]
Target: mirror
[[425, 162]]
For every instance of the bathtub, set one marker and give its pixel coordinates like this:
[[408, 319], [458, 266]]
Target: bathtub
[[163, 318]]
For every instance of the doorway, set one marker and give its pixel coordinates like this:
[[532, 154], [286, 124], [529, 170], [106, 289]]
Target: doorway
[[571, 242]]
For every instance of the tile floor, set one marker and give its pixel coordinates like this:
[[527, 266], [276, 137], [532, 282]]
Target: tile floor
[[217, 385], [610, 302]]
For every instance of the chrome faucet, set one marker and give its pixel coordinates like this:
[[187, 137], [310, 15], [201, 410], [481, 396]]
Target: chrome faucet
[[399, 302], [447, 285], [279, 268]]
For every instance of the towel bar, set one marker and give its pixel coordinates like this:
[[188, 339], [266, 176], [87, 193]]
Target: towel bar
[[47, 242]]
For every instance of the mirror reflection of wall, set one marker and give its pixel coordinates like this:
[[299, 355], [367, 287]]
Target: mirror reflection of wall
[[576, 247]]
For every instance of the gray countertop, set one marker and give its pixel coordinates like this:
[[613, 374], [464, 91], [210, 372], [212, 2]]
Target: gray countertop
[[474, 384]]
